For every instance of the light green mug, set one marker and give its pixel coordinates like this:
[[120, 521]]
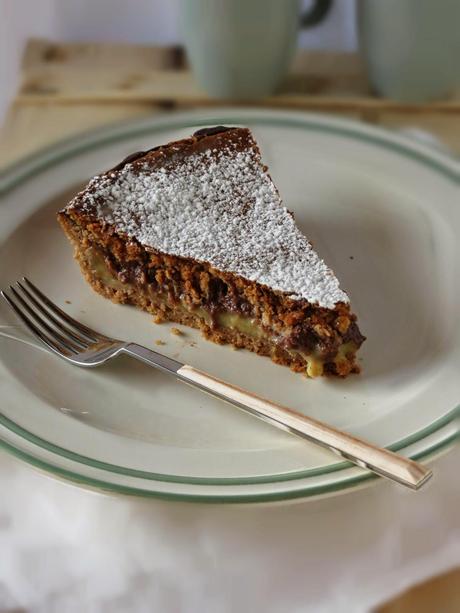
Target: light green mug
[[411, 47], [241, 49]]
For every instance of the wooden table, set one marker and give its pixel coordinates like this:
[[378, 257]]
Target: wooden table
[[68, 88]]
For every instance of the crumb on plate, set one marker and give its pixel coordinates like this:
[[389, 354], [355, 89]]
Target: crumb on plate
[[176, 332]]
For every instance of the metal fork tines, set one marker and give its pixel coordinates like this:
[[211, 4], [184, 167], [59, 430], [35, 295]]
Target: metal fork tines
[[51, 325], [69, 338]]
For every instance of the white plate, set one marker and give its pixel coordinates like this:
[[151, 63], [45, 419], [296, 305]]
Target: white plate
[[382, 211]]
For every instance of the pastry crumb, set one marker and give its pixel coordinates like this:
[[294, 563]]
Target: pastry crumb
[[158, 319], [67, 301], [176, 332], [159, 342]]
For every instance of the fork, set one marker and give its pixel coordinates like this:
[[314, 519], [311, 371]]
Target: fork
[[82, 346]]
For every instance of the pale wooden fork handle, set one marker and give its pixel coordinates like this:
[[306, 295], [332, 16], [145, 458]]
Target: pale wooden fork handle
[[380, 461]]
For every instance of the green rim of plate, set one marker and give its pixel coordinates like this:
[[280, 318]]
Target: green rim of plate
[[164, 478], [113, 488], [29, 166]]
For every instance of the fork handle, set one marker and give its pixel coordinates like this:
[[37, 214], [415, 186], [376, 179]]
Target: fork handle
[[380, 461]]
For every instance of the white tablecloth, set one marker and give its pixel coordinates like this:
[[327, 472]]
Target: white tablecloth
[[64, 549]]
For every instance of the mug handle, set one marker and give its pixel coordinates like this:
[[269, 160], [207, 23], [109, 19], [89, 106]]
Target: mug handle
[[316, 13]]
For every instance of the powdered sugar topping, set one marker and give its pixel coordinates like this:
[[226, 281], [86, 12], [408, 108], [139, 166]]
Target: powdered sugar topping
[[220, 207]]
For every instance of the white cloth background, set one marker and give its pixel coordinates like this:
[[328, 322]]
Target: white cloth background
[[66, 550]]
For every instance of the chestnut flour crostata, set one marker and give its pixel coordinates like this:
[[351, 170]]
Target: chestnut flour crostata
[[195, 232]]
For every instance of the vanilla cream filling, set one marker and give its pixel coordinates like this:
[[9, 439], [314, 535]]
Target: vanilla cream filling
[[100, 269], [245, 325]]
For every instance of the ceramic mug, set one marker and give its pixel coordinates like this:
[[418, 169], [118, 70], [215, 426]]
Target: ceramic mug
[[411, 47], [241, 49]]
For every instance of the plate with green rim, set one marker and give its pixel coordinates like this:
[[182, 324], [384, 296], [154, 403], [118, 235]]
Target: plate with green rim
[[380, 209]]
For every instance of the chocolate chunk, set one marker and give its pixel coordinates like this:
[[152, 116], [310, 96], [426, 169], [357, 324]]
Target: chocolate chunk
[[211, 131], [130, 158], [354, 335], [217, 289], [301, 339]]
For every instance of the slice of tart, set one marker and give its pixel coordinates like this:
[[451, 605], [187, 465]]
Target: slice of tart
[[194, 232]]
